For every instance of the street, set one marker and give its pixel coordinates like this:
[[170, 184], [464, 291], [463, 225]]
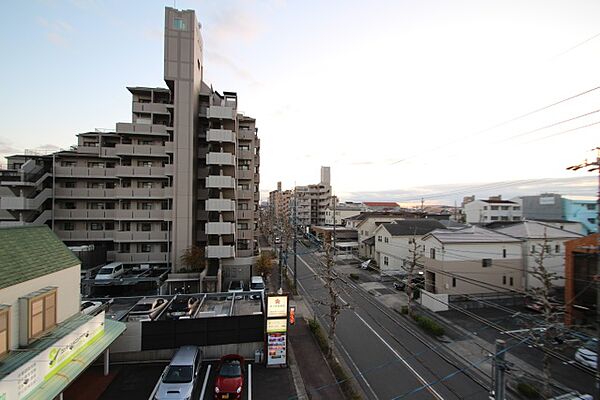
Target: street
[[389, 358]]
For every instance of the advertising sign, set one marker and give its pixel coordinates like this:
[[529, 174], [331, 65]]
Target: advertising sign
[[276, 349], [23, 380], [276, 325], [546, 201], [277, 306]]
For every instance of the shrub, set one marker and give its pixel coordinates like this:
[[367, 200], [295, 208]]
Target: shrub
[[354, 276], [527, 390], [428, 325]]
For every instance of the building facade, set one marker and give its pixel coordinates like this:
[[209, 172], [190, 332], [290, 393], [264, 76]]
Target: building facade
[[581, 210], [492, 209], [313, 200], [184, 172]]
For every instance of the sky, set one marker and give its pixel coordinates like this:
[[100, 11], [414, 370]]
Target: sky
[[402, 99]]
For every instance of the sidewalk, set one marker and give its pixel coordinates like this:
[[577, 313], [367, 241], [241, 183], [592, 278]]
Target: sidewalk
[[316, 377]]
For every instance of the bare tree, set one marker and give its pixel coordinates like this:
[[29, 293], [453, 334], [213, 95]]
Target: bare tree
[[193, 258], [264, 264], [415, 253]]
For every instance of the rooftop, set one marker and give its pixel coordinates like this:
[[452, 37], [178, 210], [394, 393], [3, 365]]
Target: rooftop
[[499, 202], [380, 204], [536, 230], [472, 234], [30, 252], [407, 227]]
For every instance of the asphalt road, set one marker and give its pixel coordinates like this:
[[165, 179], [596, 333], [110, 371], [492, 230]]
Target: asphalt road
[[383, 351]]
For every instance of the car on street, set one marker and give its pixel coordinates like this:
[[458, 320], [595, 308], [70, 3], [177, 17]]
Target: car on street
[[179, 380], [229, 382], [257, 284], [587, 355]]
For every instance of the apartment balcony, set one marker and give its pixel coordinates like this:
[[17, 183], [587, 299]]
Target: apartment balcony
[[95, 193], [220, 135], [244, 194], [84, 214], [144, 193], [221, 112], [85, 172], [215, 158], [141, 150], [81, 235], [108, 152], [244, 174], [245, 234], [145, 129], [219, 181], [220, 228], [95, 150], [141, 258], [144, 215], [24, 203], [219, 205], [220, 252], [246, 134], [157, 172], [156, 108], [245, 214], [245, 155], [151, 236]]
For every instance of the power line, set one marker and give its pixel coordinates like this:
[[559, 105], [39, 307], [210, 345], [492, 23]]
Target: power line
[[577, 45]]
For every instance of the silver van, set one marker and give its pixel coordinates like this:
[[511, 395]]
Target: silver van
[[178, 382]]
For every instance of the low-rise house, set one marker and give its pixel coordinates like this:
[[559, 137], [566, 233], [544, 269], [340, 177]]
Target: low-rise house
[[492, 209], [343, 211], [45, 341], [532, 233], [381, 206], [471, 261], [369, 221], [392, 243]]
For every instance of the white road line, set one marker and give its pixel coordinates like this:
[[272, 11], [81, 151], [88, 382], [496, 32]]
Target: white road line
[[419, 377], [205, 382], [249, 381], [357, 369]]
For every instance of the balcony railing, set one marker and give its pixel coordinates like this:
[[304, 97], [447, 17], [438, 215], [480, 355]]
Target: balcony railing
[[144, 193], [121, 170], [217, 181], [141, 150], [90, 172], [141, 257], [91, 193], [220, 228], [156, 215], [215, 158], [220, 251], [156, 236], [84, 214], [85, 235], [221, 112], [220, 135], [220, 205]]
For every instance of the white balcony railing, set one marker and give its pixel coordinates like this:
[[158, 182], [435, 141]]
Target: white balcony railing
[[220, 228], [220, 159], [220, 205], [220, 251], [220, 135], [217, 181], [221, 112]]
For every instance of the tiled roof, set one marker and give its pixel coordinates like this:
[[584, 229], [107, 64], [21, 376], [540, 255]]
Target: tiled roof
[[407, 227], [30, 252]]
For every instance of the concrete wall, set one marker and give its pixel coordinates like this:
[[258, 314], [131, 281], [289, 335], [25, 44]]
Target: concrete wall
[[67, 281], [547, 206], [246, 350], [434, 302]]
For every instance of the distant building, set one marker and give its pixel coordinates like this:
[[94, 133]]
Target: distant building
[[45, 341], [381, 206], [581, 267], [313, 200], [472, 260], [492, 209], [546, 206], [366, 223], [343, 211], [584, 211], [279, 202]]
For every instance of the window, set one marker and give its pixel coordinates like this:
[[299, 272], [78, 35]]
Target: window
[[503, 253], [494, 218], [504, 208], [179, 24], [96, 226], [504, 280], [125, 205], [96, 206], [69, 185], [242, 225], [68, 226], [42, 313], [590, 206], [145, 185], [516, 208], [516, 218], [164, 226], [144, 163], [242, 206], [145, 248], [432, 253], [126, 183], [486, 262], [557, 248], [69, 205], [144, 227], [493, 207], [485, 207], [453, 282], [592, 220], [379, 238], [68, 164], [511, 281], [385, 260], [533, 249], [386, 239], [504, 218], [125, 248], [144, 206], [4, 330], [95, 164]]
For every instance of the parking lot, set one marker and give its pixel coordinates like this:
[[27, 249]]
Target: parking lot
[[137, 382]]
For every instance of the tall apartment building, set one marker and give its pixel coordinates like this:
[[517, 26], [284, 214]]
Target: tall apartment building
[[279, 202], [184, 172], [312, 200]]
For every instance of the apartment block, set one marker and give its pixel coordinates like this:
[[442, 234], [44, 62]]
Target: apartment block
[[492, 209], [279, 202], [313, 200], [184, 172]]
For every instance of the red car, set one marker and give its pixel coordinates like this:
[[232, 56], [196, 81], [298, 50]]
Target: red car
[[229, 382]]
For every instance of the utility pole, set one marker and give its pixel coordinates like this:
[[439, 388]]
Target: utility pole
[[334, 224], [295, 241], [595, 166], [499, 369]]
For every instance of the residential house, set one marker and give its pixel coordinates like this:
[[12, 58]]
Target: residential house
[[492, 209], [381, 206], [369, 221], [472, 260], [45, 342], [533, 233], [392, 243], [343, 211]]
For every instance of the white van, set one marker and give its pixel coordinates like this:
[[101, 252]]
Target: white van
[[257, 283], [180, 377], [110, 271]]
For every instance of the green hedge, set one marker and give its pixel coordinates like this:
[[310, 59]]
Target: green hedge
[[428, 325], [354, 276], [528, 390]]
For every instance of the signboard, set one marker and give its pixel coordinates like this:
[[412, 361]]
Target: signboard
[[276, 349], [277, 306], [23, 380], [276, 325], [546, 201]]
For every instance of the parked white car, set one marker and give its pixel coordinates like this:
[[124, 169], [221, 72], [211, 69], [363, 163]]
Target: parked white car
[[586, 354], [257, 283], [110, 271], [236, 287]]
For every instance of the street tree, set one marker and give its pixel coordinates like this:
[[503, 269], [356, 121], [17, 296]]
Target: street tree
[[415, 254], [264, 264], [193, 258]]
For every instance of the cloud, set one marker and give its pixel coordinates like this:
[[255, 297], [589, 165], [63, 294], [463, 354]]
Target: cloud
[[153, 34], [7, 147], [56, 31], [219, 58], [233, 24]]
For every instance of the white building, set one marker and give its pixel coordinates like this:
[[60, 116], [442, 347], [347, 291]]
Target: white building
[[493, 209], [343, 211], [532, 233], [392, 247], [472, 260], [45, 342]]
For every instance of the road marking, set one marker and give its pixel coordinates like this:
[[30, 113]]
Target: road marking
[[419, 377], [205, 382]]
